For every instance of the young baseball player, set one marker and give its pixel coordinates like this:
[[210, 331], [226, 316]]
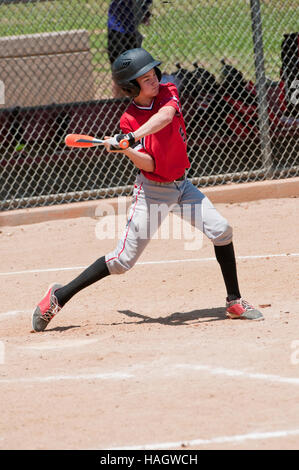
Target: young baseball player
[[154, 127]]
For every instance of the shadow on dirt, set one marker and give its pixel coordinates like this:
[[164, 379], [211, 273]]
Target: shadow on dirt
[[60, 329], [178, 318]]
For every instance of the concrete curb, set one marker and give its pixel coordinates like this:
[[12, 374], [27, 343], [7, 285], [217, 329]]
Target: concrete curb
[[230, 193]]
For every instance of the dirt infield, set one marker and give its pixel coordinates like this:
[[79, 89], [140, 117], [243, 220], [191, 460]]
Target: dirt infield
[[149, 358]]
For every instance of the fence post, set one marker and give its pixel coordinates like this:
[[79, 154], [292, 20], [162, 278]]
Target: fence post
[[256, 23], [2, 92]]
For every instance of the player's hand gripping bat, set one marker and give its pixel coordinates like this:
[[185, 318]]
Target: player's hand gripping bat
[[118, 142]]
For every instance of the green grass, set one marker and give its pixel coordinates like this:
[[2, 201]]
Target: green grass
[[180, 30], [210, 30]]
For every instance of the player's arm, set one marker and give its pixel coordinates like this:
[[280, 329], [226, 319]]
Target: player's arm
[[141, 160], [155, 123]]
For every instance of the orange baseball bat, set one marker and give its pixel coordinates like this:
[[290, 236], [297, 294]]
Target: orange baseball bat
[[82, 140]]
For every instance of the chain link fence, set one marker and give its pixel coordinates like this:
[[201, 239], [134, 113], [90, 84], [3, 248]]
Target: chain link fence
[[235, 63]]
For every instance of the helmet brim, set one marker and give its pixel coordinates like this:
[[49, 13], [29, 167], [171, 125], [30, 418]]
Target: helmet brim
[[145, 69]]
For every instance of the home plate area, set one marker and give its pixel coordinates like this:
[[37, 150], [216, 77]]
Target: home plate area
[[148, 360]]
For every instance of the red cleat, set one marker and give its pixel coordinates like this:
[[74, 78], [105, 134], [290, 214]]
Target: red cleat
[[241, 309], [46, 309]]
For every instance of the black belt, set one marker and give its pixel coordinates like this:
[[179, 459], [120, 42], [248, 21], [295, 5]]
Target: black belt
[[181, 178]]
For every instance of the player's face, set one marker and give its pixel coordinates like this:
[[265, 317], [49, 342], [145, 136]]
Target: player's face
[[149, 84]]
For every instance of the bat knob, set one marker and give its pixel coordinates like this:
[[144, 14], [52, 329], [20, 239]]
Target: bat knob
[[124, 144]]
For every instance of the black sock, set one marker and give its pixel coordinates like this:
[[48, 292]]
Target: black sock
[[93, 273], [225, 256]]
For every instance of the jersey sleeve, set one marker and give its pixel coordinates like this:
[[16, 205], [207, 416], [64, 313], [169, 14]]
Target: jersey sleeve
[[125, 125], [170, 97]]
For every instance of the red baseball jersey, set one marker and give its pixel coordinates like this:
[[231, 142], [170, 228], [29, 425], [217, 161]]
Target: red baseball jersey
[[168, 147]]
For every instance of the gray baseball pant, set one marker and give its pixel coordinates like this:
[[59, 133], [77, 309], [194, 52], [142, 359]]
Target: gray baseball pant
[[152, 202]]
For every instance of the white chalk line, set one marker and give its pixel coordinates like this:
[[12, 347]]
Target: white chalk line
[[144, 263], [215, 440], [62, 344], [12, 313], [167, 370], [53, 378], [239, 373], [184, 443], [46, 270]]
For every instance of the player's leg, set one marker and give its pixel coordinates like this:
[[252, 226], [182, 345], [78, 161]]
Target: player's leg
[[58, 295], [150, 206], [204, 216], [136, 236], [134, 240], [200, 212]]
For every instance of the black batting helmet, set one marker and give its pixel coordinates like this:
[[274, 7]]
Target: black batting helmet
[[130, 65]]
